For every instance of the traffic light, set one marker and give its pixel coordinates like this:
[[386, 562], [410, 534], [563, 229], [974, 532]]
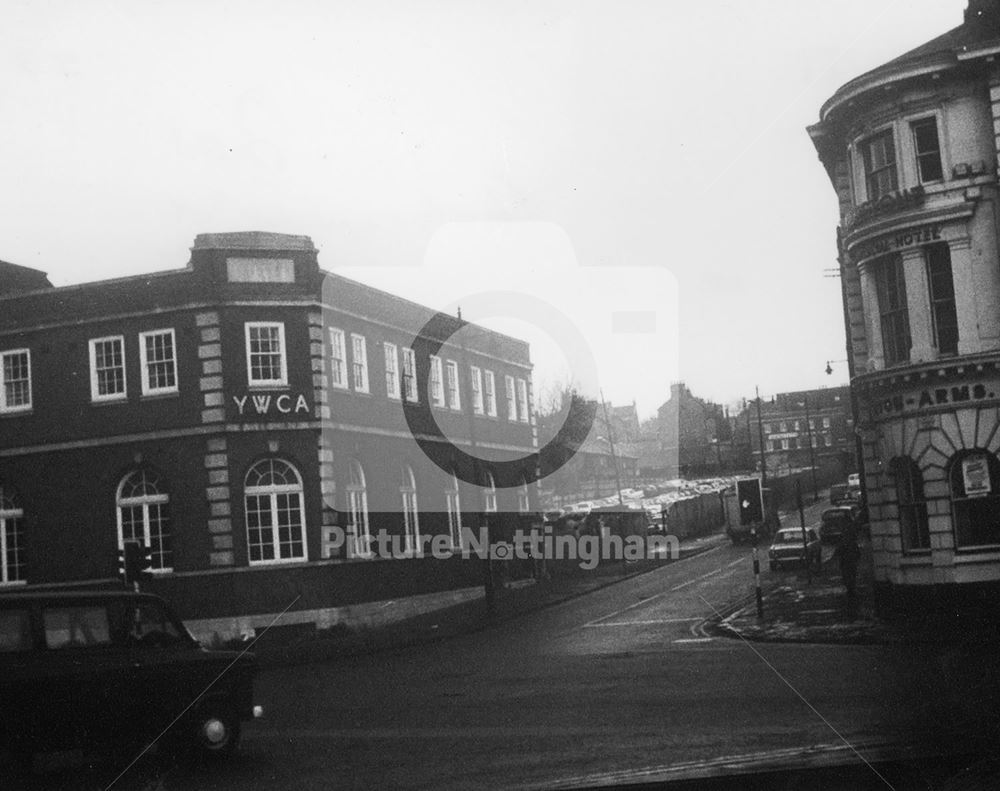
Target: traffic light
[[135, 562], [751, 500]]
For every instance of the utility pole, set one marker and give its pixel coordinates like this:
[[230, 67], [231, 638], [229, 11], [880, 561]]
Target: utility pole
[[614, 457], [812, 450], [760, 433]]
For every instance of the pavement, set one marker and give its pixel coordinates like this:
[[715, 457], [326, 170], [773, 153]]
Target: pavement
[[513, 600]]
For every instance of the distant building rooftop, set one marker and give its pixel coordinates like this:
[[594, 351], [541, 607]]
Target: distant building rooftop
[[252, 240]]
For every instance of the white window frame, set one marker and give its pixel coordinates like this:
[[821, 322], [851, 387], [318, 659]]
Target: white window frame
[[357, 509], [272, 491], [491, 394], [524, 414], [281, 381], [11, 515], [435, 382], [95, 394], [476, 377], [410, 389], [489, 493], [144, 501], [338, 359], [411, 511], [359, 363], [452, 385], [391, 355], [508, 381], [5, 407], [144, 362]]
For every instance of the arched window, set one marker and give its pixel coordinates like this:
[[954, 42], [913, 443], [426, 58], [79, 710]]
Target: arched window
[[357, 508], [454, 504], [523, 498], [489, 493], [912, 504], [273, 497], [144, 516], [411, 521], [12, 564], [975, 499]]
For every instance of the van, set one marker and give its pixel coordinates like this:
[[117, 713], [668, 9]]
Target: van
[[81, 669]]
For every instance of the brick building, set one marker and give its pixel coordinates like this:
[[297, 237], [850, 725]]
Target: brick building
[[224, 412], [911, 149], [791, 421]]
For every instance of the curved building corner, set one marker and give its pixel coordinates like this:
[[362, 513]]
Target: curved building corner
[[912, 149]]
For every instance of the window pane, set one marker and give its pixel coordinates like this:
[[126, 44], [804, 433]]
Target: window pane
[[15, 631], [76, 627], [16, 380], [879, 155], [944, 316], [925, 140], [891, 290]]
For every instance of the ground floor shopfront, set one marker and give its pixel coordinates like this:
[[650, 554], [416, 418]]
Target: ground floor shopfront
[[930, 435]]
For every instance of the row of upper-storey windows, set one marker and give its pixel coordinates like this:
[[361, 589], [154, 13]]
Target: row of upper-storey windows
[[443, 384], [886, 157], [267, 366], [793, 425]]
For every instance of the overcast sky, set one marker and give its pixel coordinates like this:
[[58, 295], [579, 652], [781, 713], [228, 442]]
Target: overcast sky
[[612, 160]]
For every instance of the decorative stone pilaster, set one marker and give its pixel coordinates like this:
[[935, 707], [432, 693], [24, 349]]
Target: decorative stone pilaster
[[210, 355], [317, 361], [918, 306], [873, 329], [220, 523]]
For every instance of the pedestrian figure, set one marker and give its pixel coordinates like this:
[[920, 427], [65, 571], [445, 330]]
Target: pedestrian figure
[[848, 553]]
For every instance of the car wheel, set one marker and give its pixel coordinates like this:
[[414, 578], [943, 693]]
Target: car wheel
[[216, 732]]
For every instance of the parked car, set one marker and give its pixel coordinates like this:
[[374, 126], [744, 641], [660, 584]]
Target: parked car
[[833, 521], [788, 547], [839, 492], [82, 669]]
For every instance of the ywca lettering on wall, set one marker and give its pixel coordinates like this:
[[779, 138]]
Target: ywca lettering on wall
[[913, 402], [896, 241], [270, 404]]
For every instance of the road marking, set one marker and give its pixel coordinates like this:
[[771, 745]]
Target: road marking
[[640, 623], [657, 595], [696, 579], [695, 640]]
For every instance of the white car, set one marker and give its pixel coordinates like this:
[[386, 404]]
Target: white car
[[854, 480]]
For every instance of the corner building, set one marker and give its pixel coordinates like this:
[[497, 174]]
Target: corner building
[[912, 149], [225, 412]]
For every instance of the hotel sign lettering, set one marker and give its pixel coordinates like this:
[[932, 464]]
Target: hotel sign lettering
[[897, 241], [916, 401], [270, 404]]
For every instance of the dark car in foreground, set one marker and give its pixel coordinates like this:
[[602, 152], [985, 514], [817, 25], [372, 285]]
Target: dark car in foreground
[[833, 522], [789, 548], [81, 669]]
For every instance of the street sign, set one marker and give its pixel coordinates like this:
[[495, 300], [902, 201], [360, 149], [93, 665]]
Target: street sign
[[751, 500]]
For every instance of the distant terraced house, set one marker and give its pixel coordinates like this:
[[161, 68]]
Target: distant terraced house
[[225, 413]]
